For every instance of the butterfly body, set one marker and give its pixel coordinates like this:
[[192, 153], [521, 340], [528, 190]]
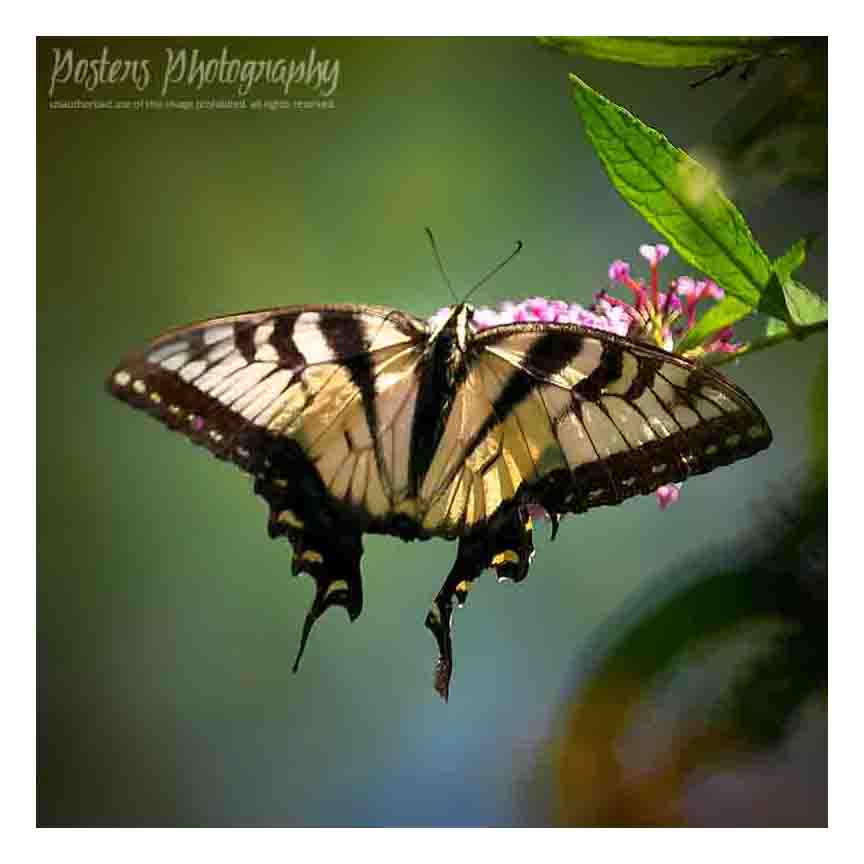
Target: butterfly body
[[356, 419]]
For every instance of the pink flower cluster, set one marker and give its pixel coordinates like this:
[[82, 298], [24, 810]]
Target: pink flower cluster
[[661, 317], [666, 317]]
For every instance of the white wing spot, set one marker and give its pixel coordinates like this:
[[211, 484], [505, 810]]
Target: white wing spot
[[266, 353], [241, 382], [310, 340], [263, 333], [139, 386], [218, 333], [122, 378], [220, 351], [192, 370], [215, 375], [173, 363], [166, 351]]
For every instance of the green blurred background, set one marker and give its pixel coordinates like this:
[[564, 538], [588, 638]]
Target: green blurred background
[[167, 621]]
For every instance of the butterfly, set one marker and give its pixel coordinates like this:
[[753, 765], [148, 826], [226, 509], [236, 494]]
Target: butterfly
[[361, 420]]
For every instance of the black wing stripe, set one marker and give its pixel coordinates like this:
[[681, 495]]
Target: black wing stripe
[[283, 341], [520, 429], [648, 369], [244, 339], [548, 355], [607, 370], [348, 337]]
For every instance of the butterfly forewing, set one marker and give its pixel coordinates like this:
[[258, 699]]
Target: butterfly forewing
[[321, 376], [622, 417]]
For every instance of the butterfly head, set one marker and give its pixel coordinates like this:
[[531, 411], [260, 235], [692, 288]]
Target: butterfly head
[[454, 324]]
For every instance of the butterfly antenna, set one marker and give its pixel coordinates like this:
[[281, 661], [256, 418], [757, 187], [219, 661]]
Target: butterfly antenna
[[440, 264], [495, 269]]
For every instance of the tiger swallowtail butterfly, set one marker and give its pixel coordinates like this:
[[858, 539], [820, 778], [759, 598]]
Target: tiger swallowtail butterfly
[[360, 419]]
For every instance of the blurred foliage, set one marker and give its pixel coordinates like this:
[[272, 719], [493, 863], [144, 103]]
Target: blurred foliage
[[678, 51], [777, 134], [784, 586], [778, 131]]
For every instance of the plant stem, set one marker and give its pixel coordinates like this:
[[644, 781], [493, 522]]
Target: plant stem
[[767, 342]]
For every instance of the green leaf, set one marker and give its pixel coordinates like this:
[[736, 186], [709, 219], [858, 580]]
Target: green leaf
[[773, 300], [674, 51], [786, 299], [723, 314], [802, 306], [793, 258], [805, 306], [676, 194], [776, 327]]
